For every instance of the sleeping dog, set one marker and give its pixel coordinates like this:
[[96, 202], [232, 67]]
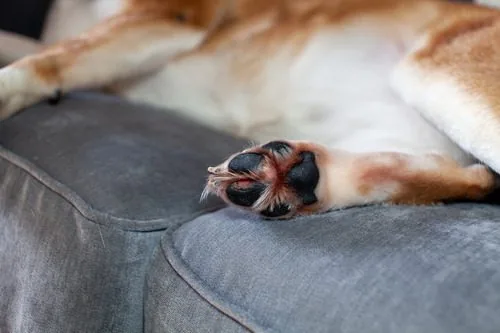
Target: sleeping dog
[[350, 102]]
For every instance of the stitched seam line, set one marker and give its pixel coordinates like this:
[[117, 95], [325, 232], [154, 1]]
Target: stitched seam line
[[86, 210], [210, 296]]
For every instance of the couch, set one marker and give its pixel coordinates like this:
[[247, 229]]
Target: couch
[[102, 230]]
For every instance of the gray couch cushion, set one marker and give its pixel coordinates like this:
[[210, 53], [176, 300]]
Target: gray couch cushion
[[372, 269], [123, 160], [61, 270], [86, 191]]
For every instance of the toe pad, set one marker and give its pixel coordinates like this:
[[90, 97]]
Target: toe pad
[[303, 177]]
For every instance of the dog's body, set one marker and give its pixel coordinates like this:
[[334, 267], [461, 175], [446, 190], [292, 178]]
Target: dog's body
[[401, 92]]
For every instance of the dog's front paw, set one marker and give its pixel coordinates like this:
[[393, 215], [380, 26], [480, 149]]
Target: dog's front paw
[[19, 88], [277, 180]]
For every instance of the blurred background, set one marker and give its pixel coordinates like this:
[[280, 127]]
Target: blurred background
[[52, 20]]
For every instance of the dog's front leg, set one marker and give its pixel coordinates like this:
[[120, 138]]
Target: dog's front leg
[[285, 178], [123, 47]]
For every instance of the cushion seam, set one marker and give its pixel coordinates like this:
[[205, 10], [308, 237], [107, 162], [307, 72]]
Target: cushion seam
[[186, 274], [85, 209]]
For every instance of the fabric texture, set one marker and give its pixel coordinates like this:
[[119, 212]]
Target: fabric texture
[[374, 269], [61, 271], [123, 159], [172, 305], [87, 188]]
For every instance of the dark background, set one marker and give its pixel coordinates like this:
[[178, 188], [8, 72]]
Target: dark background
[[24, 16]]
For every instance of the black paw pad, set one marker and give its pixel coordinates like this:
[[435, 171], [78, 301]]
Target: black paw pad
[[245, 162], [278, 211], [303, 177], [56, 98], [245, 196], [279, 147]]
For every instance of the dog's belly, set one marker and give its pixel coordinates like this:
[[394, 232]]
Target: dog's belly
[[341, 97], [336, 93]]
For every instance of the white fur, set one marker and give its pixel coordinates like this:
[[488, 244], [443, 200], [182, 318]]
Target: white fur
[[193, 90], [463, 116], [351, 85], [18, 88], [491, 3], [336, 92], [68, 18]]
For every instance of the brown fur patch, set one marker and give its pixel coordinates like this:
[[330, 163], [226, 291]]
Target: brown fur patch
[[410, 180], [454, 31], [431, 187], [465, 46], [378, 170]]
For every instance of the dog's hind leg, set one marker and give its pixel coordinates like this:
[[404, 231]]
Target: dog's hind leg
[[125, 46], [453, 79]]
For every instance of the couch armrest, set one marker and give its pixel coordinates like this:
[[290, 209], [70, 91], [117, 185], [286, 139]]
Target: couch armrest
[[14, 46]]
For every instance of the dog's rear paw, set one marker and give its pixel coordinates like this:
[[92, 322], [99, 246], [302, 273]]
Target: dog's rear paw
[[277, 180]]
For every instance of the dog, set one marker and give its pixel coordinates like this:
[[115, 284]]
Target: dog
[[350, 102]]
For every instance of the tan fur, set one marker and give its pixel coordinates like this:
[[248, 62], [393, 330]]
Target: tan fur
[[401, 179], [445, 180], [348, 179], [465, 46]]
